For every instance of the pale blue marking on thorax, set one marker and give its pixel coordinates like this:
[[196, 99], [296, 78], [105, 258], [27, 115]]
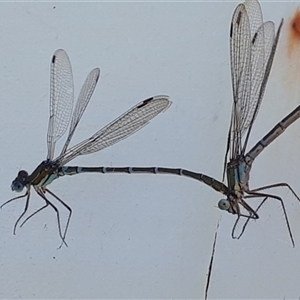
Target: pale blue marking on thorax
[[240, 172], [48, 180]]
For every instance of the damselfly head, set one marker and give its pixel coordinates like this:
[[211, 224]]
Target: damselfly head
[[20, 181], [224, 204]]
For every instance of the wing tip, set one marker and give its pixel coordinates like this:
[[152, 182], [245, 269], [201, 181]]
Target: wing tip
[[165, 98], [59, 52], [96, 71], [159, 98]]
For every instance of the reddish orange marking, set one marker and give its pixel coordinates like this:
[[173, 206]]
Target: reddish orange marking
[[294, 34]]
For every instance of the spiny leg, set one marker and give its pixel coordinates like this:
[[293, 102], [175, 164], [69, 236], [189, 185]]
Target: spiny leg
[[24, 211], [37, 211], [280, 184], [13, 199], [253, 193], [234, 227], [69, 217], [252, 215], [249, 217], [41, 192], [236, 221]]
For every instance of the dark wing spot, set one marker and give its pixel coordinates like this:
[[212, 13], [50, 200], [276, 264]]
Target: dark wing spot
[[97, 77], [254, 38], [145, 102], [231, 30], [238, 20]]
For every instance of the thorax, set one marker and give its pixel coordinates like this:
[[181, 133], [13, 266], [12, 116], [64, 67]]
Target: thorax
[[238, 175]]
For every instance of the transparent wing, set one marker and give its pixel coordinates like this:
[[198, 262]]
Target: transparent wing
[[82, 102], [240, 57], [252, 49], [254, 14], [261, 42], [260, 75], [61, 99], [125, 125]]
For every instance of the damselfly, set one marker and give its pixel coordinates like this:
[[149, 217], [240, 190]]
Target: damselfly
[[252, 48], [61, 107]]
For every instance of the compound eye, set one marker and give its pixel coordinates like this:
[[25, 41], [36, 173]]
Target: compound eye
[[17, 186], [22, 174], [224, 204]]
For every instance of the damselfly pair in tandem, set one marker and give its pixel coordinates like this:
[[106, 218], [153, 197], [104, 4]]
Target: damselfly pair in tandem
[[252, 48]]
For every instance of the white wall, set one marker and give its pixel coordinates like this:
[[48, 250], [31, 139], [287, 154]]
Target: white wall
[[142, 236]]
